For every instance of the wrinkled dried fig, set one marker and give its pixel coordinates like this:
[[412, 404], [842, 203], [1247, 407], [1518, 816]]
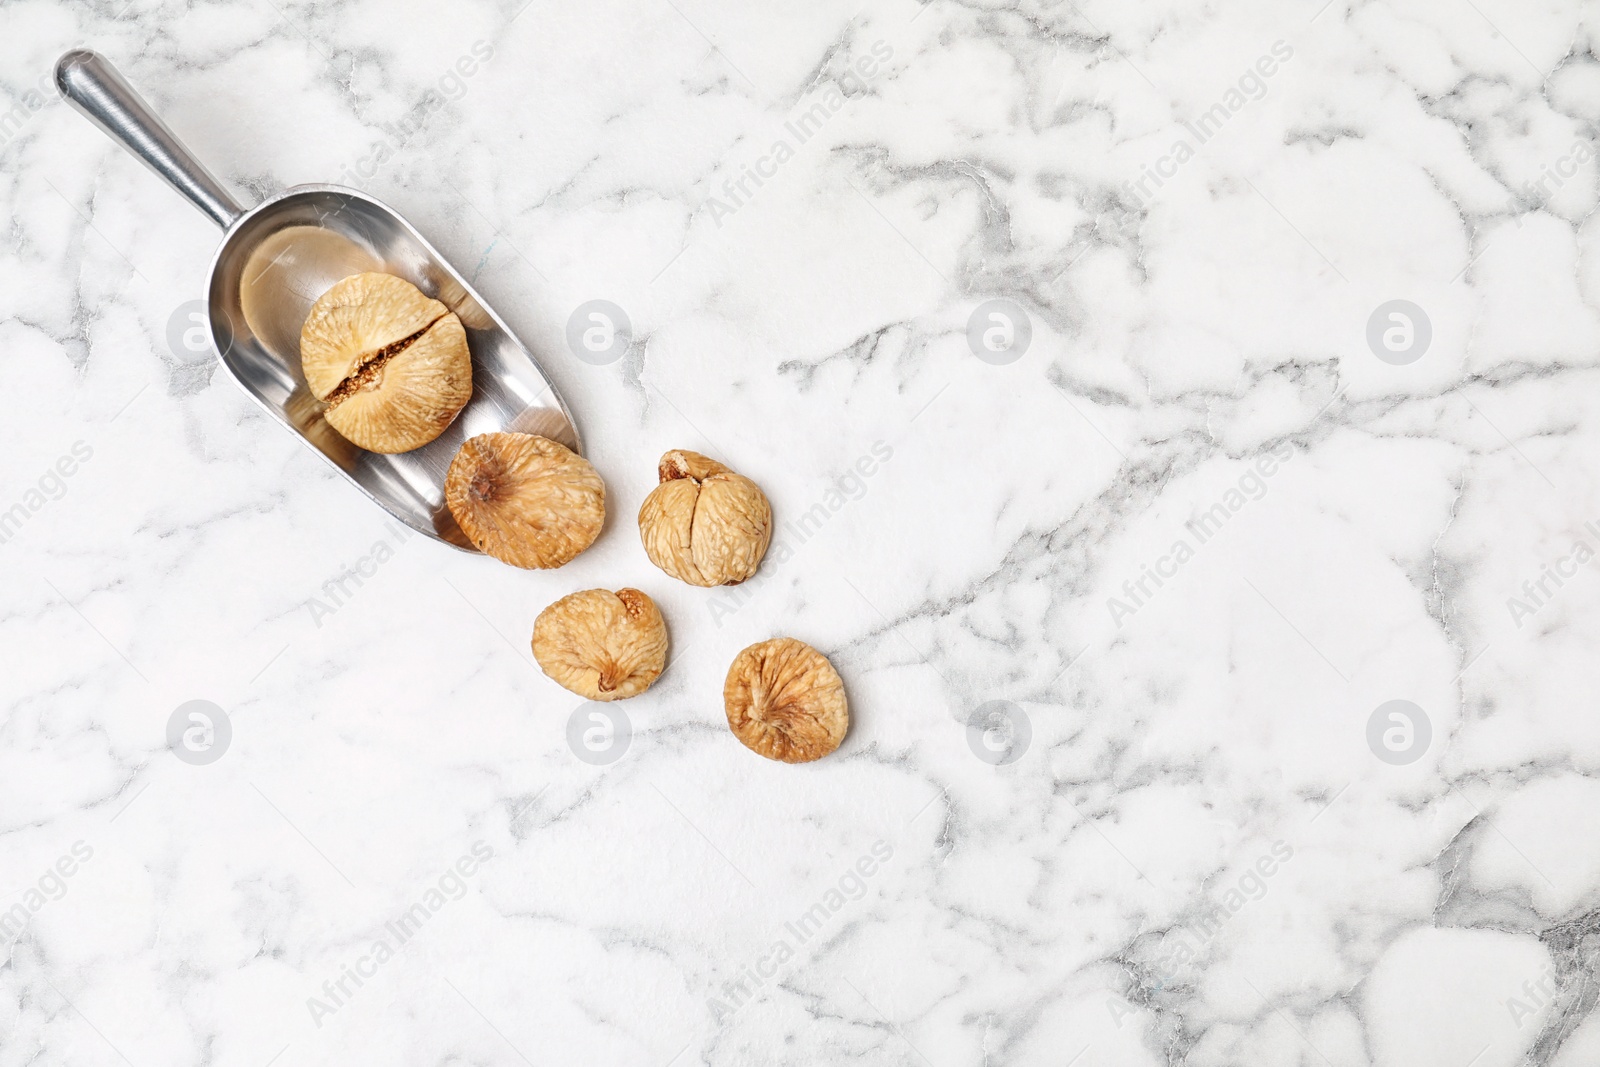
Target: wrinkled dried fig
[[391, 364], [524, 499], [602, 645], [785, 701], [704, 524]]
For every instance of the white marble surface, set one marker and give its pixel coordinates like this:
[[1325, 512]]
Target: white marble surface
[[1197, 859]]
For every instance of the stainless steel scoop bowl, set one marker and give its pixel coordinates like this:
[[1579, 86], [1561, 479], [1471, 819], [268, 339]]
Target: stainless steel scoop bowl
[[277, 258]]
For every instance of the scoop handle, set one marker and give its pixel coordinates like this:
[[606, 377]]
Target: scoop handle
[[93, 86]]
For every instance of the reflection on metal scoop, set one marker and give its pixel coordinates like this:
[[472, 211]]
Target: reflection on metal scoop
[[276, 259]]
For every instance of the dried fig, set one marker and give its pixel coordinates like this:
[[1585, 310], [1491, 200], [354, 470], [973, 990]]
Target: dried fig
[[602, 645], [525, 500], [391, 365], [785, 701], [704, 524]]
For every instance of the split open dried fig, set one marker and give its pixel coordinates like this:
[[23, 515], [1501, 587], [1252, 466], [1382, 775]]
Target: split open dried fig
[[391, 364], [525, 500], [704, 524], [785, 701], [602, 645]]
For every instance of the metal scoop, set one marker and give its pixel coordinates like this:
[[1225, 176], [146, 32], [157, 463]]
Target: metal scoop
[[277, 258]]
